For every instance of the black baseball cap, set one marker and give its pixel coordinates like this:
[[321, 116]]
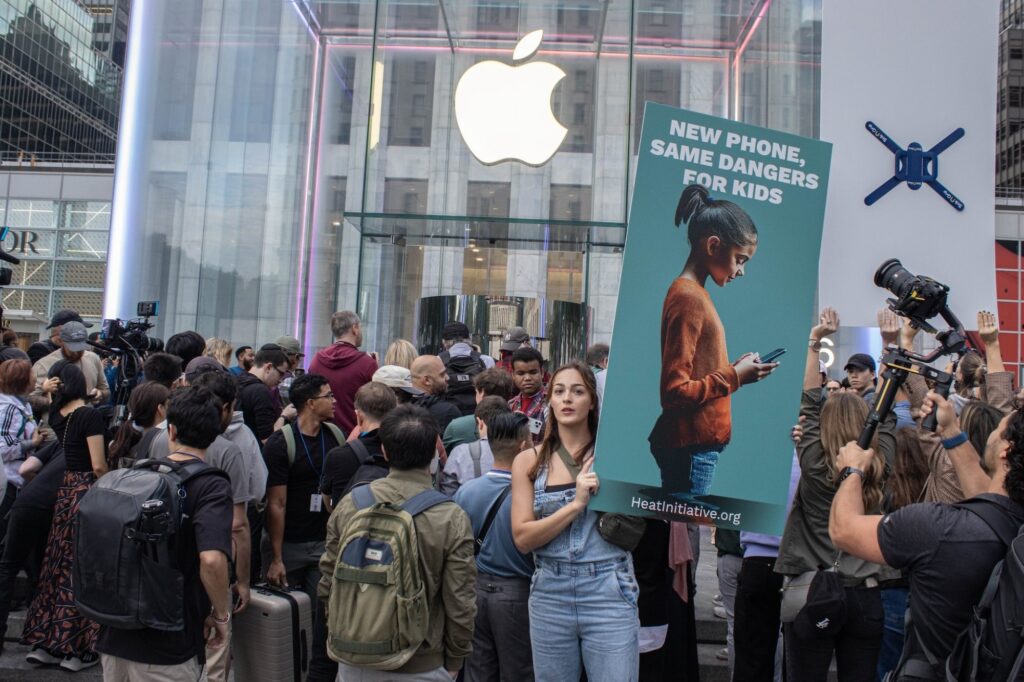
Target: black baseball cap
[[455, 330], [860, 361], [65, 316]]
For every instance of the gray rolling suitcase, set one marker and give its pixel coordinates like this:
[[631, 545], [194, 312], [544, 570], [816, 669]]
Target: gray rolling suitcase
[[271, 639]]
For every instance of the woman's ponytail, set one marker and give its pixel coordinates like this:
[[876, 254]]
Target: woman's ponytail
[[707, 217], [692, 202]]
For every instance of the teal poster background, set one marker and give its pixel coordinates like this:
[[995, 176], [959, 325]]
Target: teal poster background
[[780, 180]]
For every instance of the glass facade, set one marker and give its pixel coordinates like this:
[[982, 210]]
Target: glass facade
[[305, 157], [58, 95]]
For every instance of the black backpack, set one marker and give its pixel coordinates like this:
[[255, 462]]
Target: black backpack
[[461, 371], [991, 649], [367, 471], [125, 574]]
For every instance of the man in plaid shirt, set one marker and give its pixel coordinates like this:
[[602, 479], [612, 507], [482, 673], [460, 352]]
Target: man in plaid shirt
[[527, 374]]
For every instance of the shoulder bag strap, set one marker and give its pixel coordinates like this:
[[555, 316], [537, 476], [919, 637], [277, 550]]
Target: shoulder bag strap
[[359, 450], [424, 501], [994, 516], [289, 443], [335, 431], [568, 461], [475, 454], [492, 512], [363, 497]]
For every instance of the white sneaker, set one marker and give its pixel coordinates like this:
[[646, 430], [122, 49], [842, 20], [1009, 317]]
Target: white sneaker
[[717, 599], [719, 612], [722, 654], [41, 656], [75, 664]]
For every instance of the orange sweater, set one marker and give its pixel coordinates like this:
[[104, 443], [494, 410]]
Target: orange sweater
[[696, 376]]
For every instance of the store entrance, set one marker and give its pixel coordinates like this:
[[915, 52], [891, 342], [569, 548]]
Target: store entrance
[[558, 329]]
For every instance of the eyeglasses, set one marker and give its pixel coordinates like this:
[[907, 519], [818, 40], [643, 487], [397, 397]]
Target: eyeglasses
[[325, 395], [280, 371]]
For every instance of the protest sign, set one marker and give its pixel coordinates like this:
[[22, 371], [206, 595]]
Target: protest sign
[[679, 438], [872, 110]]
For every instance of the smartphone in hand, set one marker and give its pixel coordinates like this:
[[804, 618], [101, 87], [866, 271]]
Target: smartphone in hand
[[771, 356]]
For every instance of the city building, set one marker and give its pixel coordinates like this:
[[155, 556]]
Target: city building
[[110, 30], [282, 160], [1010, 106], [59, 107], [59, 97]]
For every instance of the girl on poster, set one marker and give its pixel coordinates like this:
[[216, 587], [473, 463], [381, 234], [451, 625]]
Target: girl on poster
[[697, 378]]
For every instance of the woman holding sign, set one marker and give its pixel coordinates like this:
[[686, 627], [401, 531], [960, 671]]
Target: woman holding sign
[[696, 376], [583, 597]]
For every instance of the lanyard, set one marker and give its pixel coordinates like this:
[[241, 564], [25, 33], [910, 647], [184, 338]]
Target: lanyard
[[309, 457]]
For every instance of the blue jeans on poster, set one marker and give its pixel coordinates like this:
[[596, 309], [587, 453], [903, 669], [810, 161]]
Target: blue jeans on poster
[[588, 611], [894, 603], [687, 471], [702, 471]]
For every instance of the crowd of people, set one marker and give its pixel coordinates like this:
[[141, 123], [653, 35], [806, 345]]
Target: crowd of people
[[481, 469]]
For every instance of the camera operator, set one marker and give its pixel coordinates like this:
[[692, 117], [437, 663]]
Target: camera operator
[[930, 541], [73, 337]]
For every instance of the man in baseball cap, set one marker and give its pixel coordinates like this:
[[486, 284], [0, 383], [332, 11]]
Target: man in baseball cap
[[292, 348], [44, 347], [463, 363], [65, 316], [860, 371], [514, 338], [73, 348], [398, 379]]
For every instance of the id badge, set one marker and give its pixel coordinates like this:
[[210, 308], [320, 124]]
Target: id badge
[[315, 502]]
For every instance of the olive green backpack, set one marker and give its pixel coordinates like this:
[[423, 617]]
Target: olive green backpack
[[377, 610]]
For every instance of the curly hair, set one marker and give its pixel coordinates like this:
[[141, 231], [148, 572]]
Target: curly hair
[[1014, 435]]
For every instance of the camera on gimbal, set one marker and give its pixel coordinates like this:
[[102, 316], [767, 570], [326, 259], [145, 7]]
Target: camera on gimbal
[[122, 336], [919, 299]]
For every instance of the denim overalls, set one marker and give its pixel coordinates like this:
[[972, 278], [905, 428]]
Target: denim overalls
[[583, 599]]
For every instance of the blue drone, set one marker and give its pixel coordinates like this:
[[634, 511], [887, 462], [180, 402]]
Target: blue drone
[[915, 166]]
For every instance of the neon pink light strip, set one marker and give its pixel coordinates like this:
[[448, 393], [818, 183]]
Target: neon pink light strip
[[549, 53], [739, 58]]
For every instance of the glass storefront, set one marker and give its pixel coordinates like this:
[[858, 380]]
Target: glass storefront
[[301, 157]]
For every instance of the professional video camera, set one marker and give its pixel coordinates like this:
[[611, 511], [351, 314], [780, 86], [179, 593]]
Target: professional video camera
[[919, 299], [121, 336], [128, 341]]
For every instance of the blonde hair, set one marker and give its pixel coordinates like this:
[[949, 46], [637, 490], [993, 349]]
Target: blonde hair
[[842, 419], [400, 353], [219, 350]]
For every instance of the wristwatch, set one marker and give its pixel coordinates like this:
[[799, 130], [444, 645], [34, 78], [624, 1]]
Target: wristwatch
[[846, 472], [814, 344]]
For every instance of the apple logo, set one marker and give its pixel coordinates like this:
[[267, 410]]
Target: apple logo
[[504, 112]]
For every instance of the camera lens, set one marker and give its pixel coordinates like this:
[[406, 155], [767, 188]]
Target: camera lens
[[892, 275]]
